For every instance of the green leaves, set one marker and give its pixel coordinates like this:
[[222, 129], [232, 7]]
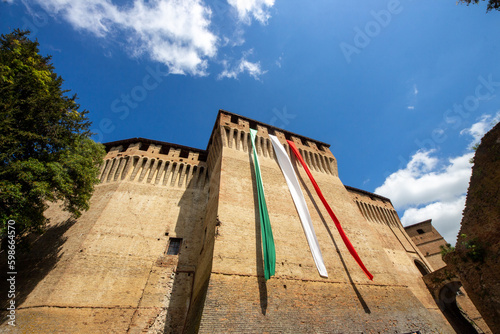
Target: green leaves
[[492, 4], [46, 154]]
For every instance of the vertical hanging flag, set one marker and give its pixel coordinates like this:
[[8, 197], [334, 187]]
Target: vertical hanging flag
[[269, 253], [330, 211], [300, 203]]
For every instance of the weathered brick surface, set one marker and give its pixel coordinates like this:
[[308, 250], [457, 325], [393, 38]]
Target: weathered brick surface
[[49, 320], [242, 304]]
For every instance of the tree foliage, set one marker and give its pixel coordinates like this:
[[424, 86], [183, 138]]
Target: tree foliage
[[492, 4], [46, 153]]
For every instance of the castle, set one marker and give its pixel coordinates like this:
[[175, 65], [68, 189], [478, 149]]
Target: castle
[[172, 243]]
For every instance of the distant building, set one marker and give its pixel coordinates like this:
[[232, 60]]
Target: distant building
[[457, 307], [429, 241]]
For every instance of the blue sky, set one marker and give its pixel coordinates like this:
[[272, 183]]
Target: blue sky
[[400, 89]]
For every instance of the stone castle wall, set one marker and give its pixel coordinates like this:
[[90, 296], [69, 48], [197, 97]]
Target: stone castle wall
[[109, 271]]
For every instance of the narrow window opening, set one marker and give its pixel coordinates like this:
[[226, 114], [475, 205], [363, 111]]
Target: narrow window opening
[[234, 119], [174, 246], [420, 231]]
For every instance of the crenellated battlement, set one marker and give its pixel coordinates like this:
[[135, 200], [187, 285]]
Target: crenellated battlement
[[235, 134], [166, 164], [154, 149], [154, 162]]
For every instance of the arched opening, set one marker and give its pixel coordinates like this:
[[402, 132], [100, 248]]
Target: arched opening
[[421, 267], [448, 304]]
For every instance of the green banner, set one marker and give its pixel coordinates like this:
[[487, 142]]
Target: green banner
[[268, 250]]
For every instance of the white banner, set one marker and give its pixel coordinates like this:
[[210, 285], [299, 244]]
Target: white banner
[[300, 203]]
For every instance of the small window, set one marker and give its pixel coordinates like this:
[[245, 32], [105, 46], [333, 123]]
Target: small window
[[174, 246], [420, 231]]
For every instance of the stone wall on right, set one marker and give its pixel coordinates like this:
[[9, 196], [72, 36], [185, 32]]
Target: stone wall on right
[[476, 259]]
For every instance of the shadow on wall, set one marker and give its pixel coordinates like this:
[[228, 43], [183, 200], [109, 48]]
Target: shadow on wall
[[33, 265], [356, 291], [188, 227], [261, 280]]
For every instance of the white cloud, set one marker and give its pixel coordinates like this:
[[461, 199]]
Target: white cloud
[[477, 130], [446, 217], [422, 182], [432, 188], [427, 189], [173, 32], [412, 97], [243, 65], [258, 9], [279, 61]]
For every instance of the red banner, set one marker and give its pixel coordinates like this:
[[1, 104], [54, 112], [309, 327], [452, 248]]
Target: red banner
[[330, 211]]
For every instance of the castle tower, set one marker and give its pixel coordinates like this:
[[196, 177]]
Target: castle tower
[[172, 243], [297, 299]]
